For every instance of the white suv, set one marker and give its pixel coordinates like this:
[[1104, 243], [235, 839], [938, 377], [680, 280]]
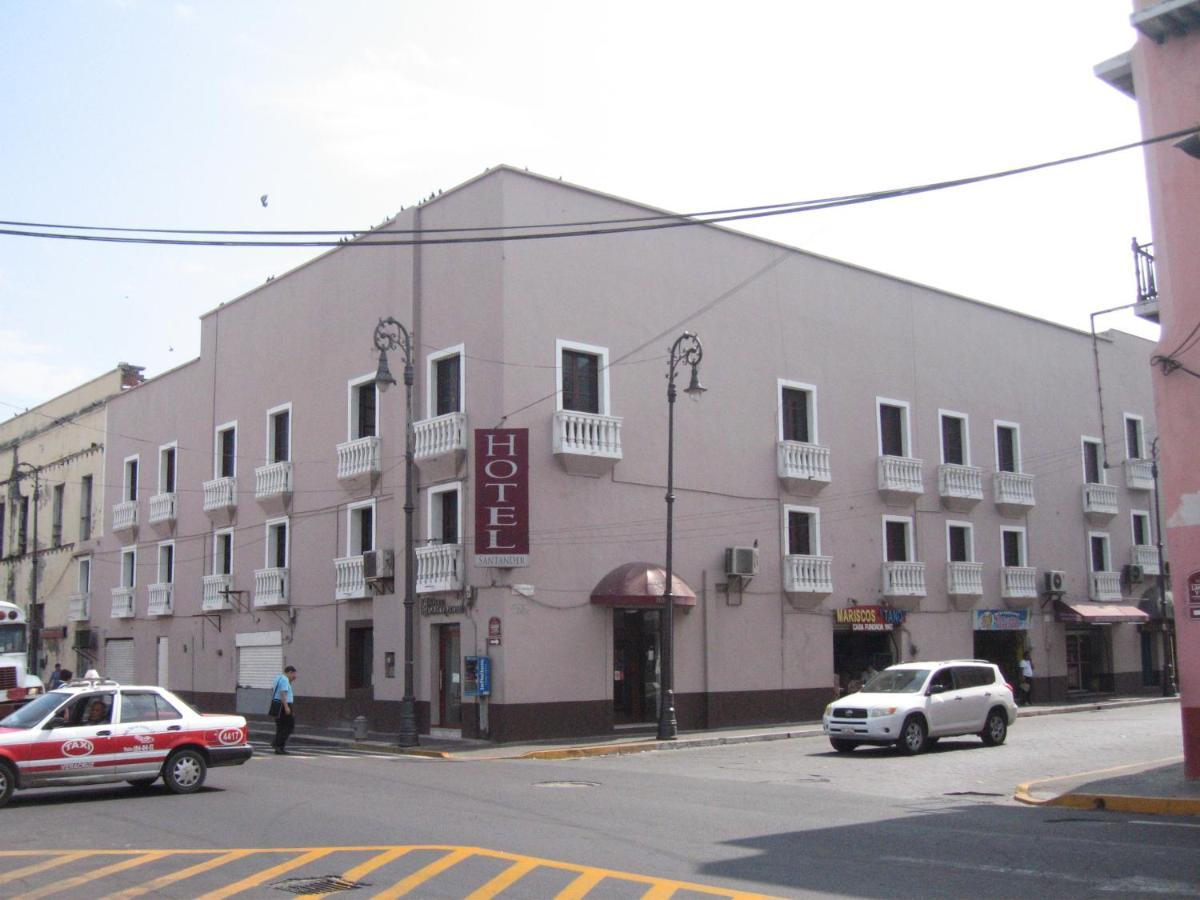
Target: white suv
[[913, 704]]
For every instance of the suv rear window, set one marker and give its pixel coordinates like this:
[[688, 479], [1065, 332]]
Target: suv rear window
[[974, 676]]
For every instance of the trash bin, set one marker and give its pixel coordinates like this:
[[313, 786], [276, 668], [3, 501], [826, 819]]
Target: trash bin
[[360, 728]]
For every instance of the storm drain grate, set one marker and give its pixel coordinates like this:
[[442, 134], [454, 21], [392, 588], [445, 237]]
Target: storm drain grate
[[320, 884]]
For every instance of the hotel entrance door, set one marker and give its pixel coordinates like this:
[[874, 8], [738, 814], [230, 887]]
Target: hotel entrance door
[[635, 666]]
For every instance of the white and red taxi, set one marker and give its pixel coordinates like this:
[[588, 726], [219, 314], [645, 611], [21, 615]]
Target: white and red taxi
[[94, 731]]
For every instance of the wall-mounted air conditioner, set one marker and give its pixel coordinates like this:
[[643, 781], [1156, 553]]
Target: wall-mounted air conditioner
[[378, 564], [1134, 574], [741, 562], [1056, 581]]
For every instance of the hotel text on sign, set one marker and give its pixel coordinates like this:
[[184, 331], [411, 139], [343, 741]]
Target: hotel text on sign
[[502, 497]]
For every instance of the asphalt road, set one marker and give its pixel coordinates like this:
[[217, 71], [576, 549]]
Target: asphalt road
[[785, 818]]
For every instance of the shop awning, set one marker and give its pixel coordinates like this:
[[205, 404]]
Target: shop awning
[[640, 584], [1097, 613]]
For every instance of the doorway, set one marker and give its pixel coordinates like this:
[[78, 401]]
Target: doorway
[[1088, 655], [856, 654], [449, 676], [1005, 649], [360, 657], [635, 666]]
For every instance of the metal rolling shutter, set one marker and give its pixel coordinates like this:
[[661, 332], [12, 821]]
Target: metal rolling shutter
[[260, 659], [118, 660]]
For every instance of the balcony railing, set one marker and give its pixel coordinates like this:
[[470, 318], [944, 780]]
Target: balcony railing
[[1139, 474], [900, 477], [125, 515], [808, 575], [122, 602], [214, 595], [964, 579], [161, 596], [271, 587], [1100, 501], [1018, 583], [439, 568], [903, 579], [273, 481], [960, 487], [358, 458], [162, 508], [585, 443], [1147, 281], [1104, 586], [1146, 556], [348, 578], [804, 468], [80, 608], [1013, 492], [220, 495], [444, 435]]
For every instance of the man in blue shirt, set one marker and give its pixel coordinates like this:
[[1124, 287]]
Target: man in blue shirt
[[285, 722]]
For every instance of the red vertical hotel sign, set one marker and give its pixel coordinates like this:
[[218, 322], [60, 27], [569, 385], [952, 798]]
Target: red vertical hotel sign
[[502, 497]]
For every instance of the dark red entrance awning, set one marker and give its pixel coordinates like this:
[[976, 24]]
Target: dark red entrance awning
[[1097, 613], [640, 584]]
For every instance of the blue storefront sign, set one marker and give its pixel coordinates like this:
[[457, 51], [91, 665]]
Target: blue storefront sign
[[477, 676], [1001, 620]]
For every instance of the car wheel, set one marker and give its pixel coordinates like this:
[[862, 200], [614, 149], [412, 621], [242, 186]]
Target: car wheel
[[8, 781], [842, 746], [142, 783], [184, 772], [995, 730], [913, 736]]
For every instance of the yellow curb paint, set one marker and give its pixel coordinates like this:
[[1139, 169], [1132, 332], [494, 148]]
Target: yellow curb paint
[[1024, 792]]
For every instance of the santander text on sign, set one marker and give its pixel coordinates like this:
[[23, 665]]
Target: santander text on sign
[[502, 497]]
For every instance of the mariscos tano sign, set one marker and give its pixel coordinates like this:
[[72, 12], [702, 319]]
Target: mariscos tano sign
[[502, 497]]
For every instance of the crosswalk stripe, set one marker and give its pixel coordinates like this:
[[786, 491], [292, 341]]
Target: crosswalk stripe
[[198, 869], [382, 859], [266, 874], [418, 878], [505, 879], [580, 887], [51, 863], [111, 869]]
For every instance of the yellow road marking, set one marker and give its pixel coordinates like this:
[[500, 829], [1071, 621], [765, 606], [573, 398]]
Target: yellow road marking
[[266, 874], [374, 863], [51, 863], [505, 879], [416, 879], [663, 891], [581, 886], [199, 868], [111, 869]]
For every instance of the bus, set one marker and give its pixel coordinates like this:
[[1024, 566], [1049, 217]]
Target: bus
[[17, 685]]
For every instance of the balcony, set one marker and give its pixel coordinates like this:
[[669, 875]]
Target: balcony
[[359, 459], [125, 517], [803, 468], [585, 443], [1104, 586], [807, 580], [1018, 586], [904, 583], [273, 485], [900, 478], [960, 487], [122, 602], [1099, 502], [440, 444], [1146, 556], [1013, 493], [80, 608], [270, 587], [964, 583], [220, 495], [214, 593], [1139, 474], [439, 568], [1147, 281], [349, 581], [161, 596], [162, 509]]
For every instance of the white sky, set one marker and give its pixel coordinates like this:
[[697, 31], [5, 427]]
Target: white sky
[[172, 114]]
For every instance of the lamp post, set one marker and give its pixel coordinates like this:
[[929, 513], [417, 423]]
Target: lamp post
[[686, 349], [391, 335], [35, 613], [1168, 670]]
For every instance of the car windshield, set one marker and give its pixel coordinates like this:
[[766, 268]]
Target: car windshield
[[34, 711], [896, 681]]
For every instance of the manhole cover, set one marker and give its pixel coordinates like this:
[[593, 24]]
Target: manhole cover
[[566, 784], [318, 884]]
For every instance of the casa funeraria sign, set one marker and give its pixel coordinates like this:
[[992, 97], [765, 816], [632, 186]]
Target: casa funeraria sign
[[502, 497]]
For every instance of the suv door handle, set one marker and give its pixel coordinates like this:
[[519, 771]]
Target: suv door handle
[[174, 728]]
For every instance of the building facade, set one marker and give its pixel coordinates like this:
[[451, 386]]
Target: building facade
[[879, 471]]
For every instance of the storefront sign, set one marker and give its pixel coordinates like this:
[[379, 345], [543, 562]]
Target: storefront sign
[[869, 618], [437, 606], [1193, 591], [494, 631], [502, 497], [1001, 619]]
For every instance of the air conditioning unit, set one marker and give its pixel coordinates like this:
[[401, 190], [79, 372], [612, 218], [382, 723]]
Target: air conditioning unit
[[741, 561], [377, 564], [1056, 581], [85, 639], [1134, 574]]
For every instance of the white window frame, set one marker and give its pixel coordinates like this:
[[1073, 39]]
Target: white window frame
[[431, 361], [125, 485], [162, 545], [271, 414], [1022, 548], [1134, 514], [217, 432], [83, 564], [1083, 442], [1141, 424], [952, 523], [351, 509], [906, 425], [814, 532], [432, 508], [131, 553], [352, 404], [216, 569], [910, 544], [811, 390], [1018, 462], [966, 423], [602, 365], [162, 469], [270, 543], [1107, 551]]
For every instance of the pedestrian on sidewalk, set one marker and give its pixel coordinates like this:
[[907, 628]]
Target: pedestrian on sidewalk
[[285, 720], [56, 678], [1026, 685]]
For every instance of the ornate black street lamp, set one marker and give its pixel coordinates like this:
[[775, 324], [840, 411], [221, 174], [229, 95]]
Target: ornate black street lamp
[[686, 349], [391, 335], [1168, 670]]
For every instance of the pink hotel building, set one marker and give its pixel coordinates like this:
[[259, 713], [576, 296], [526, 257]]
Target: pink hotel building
[[878, 471]]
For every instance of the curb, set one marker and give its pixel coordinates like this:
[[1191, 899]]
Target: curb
[[1071, 799]]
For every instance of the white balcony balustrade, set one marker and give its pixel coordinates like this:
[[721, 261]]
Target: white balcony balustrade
[[125, 515], [960, 487], [273, 482], [215, 593], [808, 576], [1139, 474], [161, 597], [444, 435], [270, 587], [900, 478], [1018, 586], [439, 568], [122, 602], [80, 608], [964, 582], [585, 443], [162, 509], [358, 459], [1104, 586], [1100, 502], [904, 583], [348, 578], [1013, 492], [220, 495], [1146, 556], [803, 468]]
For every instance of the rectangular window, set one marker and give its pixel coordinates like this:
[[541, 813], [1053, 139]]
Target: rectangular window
[[277, 544], [223, 553], [580, 381], [129, 567], [1012, 546], [361, 529], [1098, 544], [84, 575], [23, 526], [898, 539], [795, 413], [85, 508], [1008, 448], [1093, 472], [131, 479], [954, 440], [893, 428], [443, 526], [447, 383], [3, 524], [1134, 445], [56, 516], [166, 470], [801, 532], [227, 451], [959, 543], [279, 435], [1141, 529], [166, 563], [363, 410]]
